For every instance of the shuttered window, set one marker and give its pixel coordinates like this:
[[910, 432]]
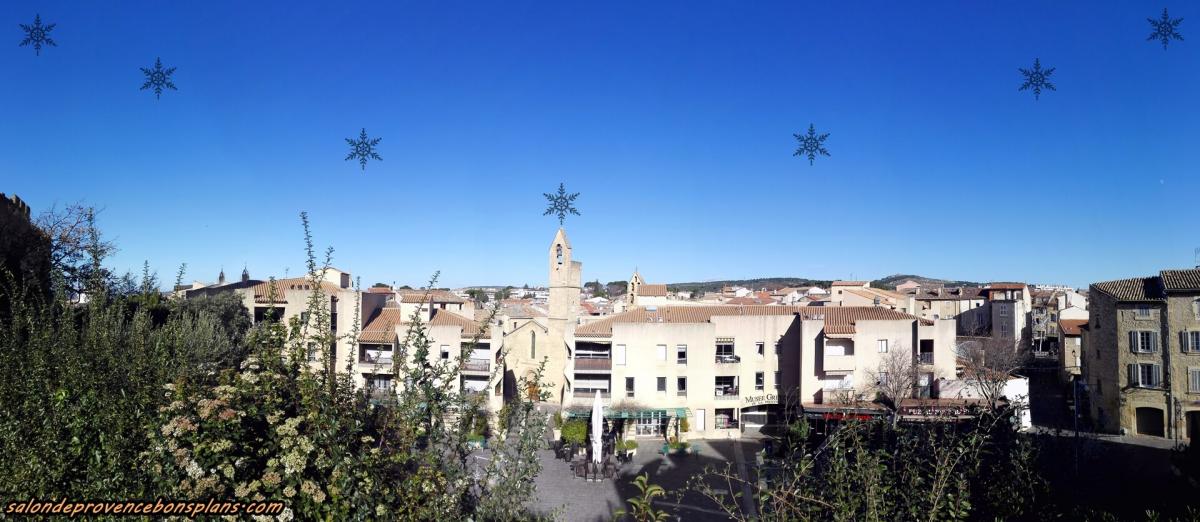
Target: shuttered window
[[1143, 341], [1190, 341], [1193, 380], [1145, 375]]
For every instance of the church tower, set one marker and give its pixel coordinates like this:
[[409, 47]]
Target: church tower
[[635, 284], [565, 286]]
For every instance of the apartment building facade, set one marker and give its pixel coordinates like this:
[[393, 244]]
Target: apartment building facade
[[1141, 355], [724, 367]]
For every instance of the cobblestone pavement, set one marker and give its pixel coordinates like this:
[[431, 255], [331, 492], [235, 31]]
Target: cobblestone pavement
[[573, 499]]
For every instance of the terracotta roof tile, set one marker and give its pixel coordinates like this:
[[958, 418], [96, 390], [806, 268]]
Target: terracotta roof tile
[[843, 316], [652, 290], [435, 296], [1134, 289], [262, 291], [849, 283], [1181, 279], [382, 328], [470, 327], [1071, 326]]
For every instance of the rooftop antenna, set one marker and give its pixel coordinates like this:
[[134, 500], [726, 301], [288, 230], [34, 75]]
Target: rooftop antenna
[[1196, 255]]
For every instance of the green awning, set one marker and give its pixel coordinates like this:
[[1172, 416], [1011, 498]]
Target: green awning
[[630, 414]]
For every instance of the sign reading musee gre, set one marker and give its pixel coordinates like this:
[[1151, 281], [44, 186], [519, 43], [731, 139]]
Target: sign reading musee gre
[[769, 398]]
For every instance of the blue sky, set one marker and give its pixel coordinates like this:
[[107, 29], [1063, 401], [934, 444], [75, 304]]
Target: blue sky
[[673, 119]]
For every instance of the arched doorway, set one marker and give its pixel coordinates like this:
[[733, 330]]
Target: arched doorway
[[1149, 421]]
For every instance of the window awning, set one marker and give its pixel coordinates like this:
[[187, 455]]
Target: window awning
[[631, 414]]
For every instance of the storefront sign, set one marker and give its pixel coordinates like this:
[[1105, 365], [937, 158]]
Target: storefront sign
[[769, 398]]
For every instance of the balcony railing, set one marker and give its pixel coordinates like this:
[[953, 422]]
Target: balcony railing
[[925, 357], [681, 393], [469, 393], [593, 364], [728, 359], [726, 393], [839, 363], [477, 365], [376, 357], [723, 423]]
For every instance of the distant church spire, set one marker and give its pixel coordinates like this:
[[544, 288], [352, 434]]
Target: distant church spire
[[221, 277]]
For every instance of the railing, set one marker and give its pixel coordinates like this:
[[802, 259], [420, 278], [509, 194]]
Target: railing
[[838, 363], [477, 365], [593, 364], [468, 393], [728, 359], [726, 394], [681, 393], [376, 357], [925, 357], [378, 394]]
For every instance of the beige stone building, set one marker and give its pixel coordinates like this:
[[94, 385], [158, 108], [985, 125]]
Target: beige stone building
[[1141, 355], [725, 367]]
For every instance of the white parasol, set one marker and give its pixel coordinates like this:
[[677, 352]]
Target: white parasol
[[597, 428]]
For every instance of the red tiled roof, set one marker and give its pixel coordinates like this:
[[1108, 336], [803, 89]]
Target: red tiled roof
[[758, 300], [947, 294], [262, 291], [434, 296], [470, 327], [382, 328], [652, 290], [834, 316], [1005, 286], [1181, 279], [1071, 326], [380, 290], [1135, 289]]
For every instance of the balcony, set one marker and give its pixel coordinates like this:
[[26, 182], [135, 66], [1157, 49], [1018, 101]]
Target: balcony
[[592, 365], [375, 357], [471, 394], [726, 423], [728, 359], [585, 397], [727, 393], [839, 363], [925, 357], [477, 366], [681, 393]]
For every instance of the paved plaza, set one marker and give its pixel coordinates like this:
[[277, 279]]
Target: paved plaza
[[574, 499]]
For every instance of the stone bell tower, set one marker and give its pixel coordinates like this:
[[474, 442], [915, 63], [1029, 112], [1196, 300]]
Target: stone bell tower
[[565, 285]]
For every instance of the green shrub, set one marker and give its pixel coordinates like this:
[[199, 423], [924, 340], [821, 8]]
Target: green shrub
[[574, 431]]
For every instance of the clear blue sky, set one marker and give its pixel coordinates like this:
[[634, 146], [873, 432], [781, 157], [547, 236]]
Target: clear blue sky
[[673, 119]]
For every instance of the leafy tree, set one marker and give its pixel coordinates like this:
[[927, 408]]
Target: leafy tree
[[641, 507]]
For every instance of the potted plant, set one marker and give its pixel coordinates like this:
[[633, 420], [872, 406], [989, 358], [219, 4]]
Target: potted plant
[[574, 431], [630, 447], [557, 422]]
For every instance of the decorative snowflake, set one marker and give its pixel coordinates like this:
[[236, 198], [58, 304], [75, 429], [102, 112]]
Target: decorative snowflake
[[811, 144], [560, 204], [1037, 79], [37, 35], [363, 148], [1164, 29], [158, 78]]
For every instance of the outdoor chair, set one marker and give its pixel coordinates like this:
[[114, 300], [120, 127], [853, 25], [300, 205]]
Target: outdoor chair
[[580, 469]]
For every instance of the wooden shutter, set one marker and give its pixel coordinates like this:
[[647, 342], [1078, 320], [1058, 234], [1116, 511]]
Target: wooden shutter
[[1184, 337], [1133, 342], [1157, 375], [1133, 374], [1154, 341]]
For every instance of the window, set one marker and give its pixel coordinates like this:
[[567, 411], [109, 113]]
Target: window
[[1196, 308], [533, 345], [1143, 311], [759, 381], [681, 354], [1145, 375], [662, 352], [883, 347], [662, 384], [762, 348], [1143, 341], [777, 374], [445, 351], [681, 386], [629, 386], [724, 349], [1003, 310], [1053, 317], [1193, 380], [619, 355], [882, 378], [1190, 341]]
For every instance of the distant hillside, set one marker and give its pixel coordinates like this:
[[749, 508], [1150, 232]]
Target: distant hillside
[[890, 282], [770, 283]]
